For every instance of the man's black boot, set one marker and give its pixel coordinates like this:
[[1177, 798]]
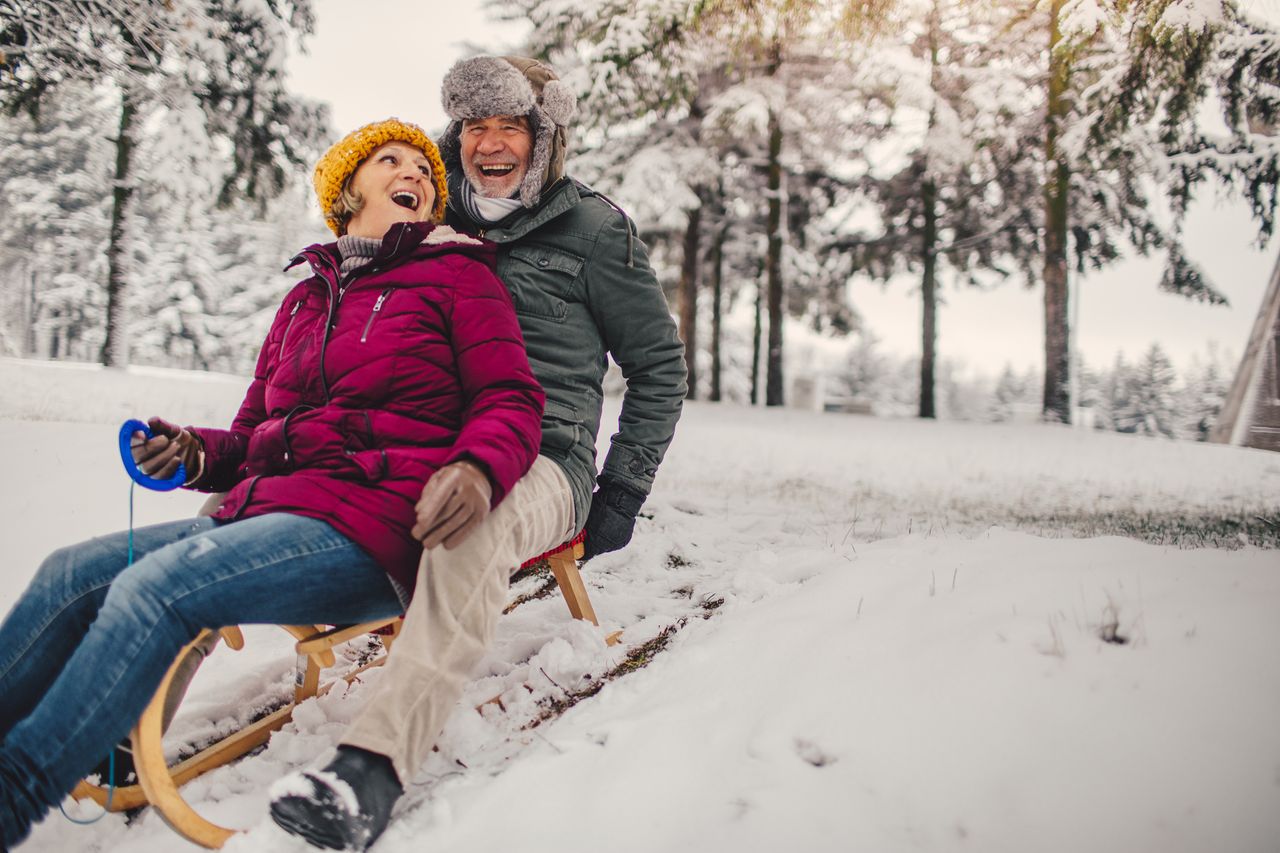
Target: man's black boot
[[345, 806]]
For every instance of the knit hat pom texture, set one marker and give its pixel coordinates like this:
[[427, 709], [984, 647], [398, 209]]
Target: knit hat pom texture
[[341, 161]]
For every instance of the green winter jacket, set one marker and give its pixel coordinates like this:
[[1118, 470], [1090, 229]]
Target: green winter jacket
[[583, 289]]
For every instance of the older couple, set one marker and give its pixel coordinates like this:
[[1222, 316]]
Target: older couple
[[405, 398]]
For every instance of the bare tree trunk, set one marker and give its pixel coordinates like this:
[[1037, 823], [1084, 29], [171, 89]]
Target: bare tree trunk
[[773, 265], [929, 298], [33, 315], [756, 335], [1057, 366], [115, 348], [929, 247], [717, 309], [689, 298], [55, 339]]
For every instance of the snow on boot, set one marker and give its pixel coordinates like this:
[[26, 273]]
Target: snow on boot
[[345, 806]]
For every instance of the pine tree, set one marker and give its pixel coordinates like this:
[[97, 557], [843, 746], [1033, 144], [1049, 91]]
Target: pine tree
[[53, 210], [1153, 409], [1127, 109], [963, 200], [1203, 394], [226, 58], [1009, 390]]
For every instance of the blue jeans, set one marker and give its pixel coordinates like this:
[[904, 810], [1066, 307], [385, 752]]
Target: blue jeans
[[85, 647]]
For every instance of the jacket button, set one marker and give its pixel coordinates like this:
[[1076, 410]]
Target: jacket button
[[544, 262], [635, 466]]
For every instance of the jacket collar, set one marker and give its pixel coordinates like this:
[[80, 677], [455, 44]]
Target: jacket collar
[[557, 199], [399, 240]]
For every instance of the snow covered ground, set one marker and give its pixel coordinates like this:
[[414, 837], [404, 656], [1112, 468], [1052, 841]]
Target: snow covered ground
[[910, 649]]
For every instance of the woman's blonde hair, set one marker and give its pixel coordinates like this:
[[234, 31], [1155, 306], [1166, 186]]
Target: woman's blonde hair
[[345, 206]]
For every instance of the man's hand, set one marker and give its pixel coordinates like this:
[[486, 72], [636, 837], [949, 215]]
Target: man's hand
[[454, 502], [169, 446], [612, 518]]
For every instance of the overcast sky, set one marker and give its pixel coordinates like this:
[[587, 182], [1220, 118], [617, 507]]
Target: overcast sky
[[379, 58]]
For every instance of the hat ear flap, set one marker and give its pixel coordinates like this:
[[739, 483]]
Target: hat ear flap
[[559, 102], [544, 134], [450, 145]]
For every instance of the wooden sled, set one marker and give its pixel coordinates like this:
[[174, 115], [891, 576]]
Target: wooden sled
[[158, 783]]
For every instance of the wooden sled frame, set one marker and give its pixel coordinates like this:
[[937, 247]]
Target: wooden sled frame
[[158, 783]]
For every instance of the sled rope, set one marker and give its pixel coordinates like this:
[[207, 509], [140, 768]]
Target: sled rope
[[111, 792], [111, 758]]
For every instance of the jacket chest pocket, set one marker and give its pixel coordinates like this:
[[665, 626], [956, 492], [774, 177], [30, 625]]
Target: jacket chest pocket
[[303, 318], [541, 280], [378, 305], [294, 364]]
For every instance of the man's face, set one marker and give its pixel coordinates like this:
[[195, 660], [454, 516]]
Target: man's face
[[495, 154]]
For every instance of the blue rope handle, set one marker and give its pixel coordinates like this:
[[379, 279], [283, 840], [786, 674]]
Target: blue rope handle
[[111, 758], [127, 429]]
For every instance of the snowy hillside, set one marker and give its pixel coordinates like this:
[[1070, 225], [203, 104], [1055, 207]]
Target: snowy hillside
[[872, 635]]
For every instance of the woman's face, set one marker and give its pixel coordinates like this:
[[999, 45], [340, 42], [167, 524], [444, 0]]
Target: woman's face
[[395, 183]]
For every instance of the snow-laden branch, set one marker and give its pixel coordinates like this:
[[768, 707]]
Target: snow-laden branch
[[55, 39]]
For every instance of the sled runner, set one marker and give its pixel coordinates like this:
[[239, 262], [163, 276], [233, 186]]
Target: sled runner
[[158, 783]]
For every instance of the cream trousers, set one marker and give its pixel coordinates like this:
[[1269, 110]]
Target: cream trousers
[[460, 594]]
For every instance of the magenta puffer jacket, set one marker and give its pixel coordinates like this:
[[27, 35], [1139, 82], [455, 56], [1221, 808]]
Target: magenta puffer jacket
[[368, 384]]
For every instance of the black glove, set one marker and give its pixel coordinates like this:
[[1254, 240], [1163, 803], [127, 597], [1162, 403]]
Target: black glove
[[612, 518]]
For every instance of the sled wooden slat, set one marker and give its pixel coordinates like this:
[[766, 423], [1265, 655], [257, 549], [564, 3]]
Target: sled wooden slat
[[326, 640]]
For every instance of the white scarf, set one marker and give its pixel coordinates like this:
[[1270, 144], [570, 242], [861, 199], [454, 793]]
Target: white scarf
[[485, 209]]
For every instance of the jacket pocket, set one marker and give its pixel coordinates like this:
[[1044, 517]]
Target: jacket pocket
[[293, 315], [560, 426], [541, 280], [373, 315]]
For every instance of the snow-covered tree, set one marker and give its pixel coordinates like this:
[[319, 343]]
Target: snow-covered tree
[[1127, 121], [53, 210], [1014, 393], [223, 59], [1152, 403], [45, 43], [954, 182], [1203, 393]]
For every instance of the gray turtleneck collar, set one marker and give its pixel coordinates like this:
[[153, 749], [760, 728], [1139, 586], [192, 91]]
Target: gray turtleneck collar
[[356, 251]]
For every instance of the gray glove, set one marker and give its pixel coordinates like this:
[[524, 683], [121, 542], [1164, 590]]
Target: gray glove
[[612, 518]]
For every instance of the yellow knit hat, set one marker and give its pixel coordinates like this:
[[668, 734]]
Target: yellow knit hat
[[341, 161]]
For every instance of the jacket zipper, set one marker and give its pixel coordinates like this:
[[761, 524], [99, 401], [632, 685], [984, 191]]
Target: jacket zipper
[[332, 318], [289, 326], [377, 306], [284, 431], [329, 320]]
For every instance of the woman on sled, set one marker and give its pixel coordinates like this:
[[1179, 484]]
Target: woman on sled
[[392, 402]]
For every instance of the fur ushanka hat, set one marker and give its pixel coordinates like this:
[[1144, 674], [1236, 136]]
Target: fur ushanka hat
[[486, 86]]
